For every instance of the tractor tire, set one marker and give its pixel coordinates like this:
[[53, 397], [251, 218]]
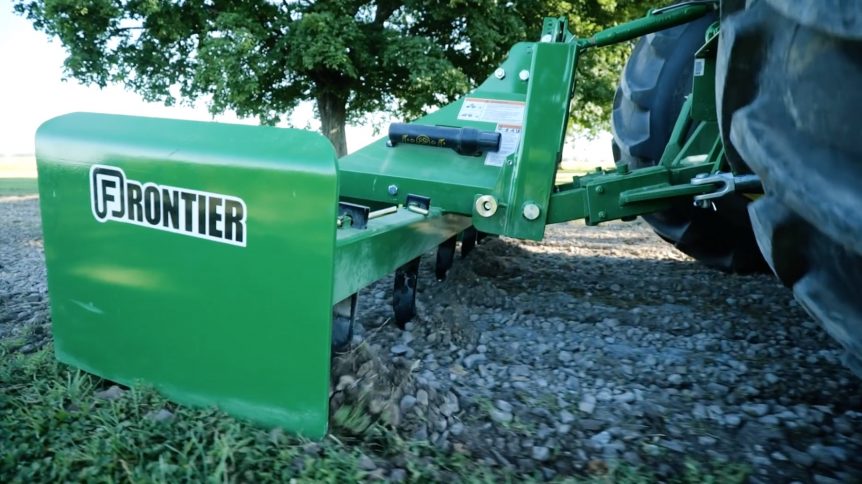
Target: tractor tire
[[653, 87], [788, 91]]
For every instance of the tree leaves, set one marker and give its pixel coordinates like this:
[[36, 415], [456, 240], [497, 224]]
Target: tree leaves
[[261, 58]]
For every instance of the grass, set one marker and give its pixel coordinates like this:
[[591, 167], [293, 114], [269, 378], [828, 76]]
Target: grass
[[54, 427], [10, 187]]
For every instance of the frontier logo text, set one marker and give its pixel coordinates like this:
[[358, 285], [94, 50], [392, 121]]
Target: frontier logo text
[[211, 216]]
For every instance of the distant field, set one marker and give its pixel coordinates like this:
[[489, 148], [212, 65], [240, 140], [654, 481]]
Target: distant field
[[16, 187], [17, 166], [568, 169]]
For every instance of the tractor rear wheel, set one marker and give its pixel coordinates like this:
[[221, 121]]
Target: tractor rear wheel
[[653, 87], [788, 92]]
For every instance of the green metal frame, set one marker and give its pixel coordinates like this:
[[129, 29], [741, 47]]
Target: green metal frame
[[541, 75], [247, 326]]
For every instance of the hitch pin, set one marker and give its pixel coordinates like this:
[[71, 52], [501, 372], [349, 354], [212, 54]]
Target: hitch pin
[[382, 212], [340, 221], [417, 209], [727, 184]]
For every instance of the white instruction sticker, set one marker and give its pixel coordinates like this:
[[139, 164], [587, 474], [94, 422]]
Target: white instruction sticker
[[510, 138], [492, 111], [699, 65]]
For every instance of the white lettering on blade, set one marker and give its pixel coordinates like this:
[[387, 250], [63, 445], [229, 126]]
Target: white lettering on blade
[[205, 215]]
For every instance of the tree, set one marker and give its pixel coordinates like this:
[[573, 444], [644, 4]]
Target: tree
[[351, 57]]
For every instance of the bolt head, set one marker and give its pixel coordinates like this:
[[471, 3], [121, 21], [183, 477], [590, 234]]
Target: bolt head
[[547, 38], [500, 73], [486, 206], [531, 211], [524, 75], [393, 190]]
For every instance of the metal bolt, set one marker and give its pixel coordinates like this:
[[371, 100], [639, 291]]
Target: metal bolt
[[531, 211], [623, 169], [547, 38], [524, 75], [486, 205], [500, 73], [600, 189], [393, 190]]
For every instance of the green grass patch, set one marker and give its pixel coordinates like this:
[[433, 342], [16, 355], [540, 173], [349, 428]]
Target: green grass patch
[[55, 426], [18, 187]]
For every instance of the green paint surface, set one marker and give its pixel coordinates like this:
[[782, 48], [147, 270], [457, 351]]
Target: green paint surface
[[209, 323]]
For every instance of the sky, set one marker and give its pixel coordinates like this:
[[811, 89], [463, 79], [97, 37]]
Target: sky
[[32, 91]]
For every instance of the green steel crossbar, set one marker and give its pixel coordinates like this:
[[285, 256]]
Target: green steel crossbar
[[363, 256]]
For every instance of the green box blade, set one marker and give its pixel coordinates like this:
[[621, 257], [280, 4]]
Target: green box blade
[[210, 316]]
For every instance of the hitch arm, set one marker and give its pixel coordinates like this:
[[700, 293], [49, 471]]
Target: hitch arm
[[659, 19]]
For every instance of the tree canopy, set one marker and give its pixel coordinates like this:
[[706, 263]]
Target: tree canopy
[[262, 58]]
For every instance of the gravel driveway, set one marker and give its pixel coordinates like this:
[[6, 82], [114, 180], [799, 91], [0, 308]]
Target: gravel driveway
[[599, 344]]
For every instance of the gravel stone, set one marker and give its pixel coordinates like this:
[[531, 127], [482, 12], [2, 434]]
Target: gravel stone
[[160, 416], [733, 420], [365, 463], [500, 417], [450, 405], [606, 342], [603, 438], [473, 360], [397, 475], [755, 409], [399, 350], [407, 403], [799, 458], [112, 393], [503, 406], [540, 453], [422, 398], [778, 456], [706, 441], [587, 404], [827, 455]]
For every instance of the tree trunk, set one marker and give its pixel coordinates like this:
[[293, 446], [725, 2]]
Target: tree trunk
[[333, 115]]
